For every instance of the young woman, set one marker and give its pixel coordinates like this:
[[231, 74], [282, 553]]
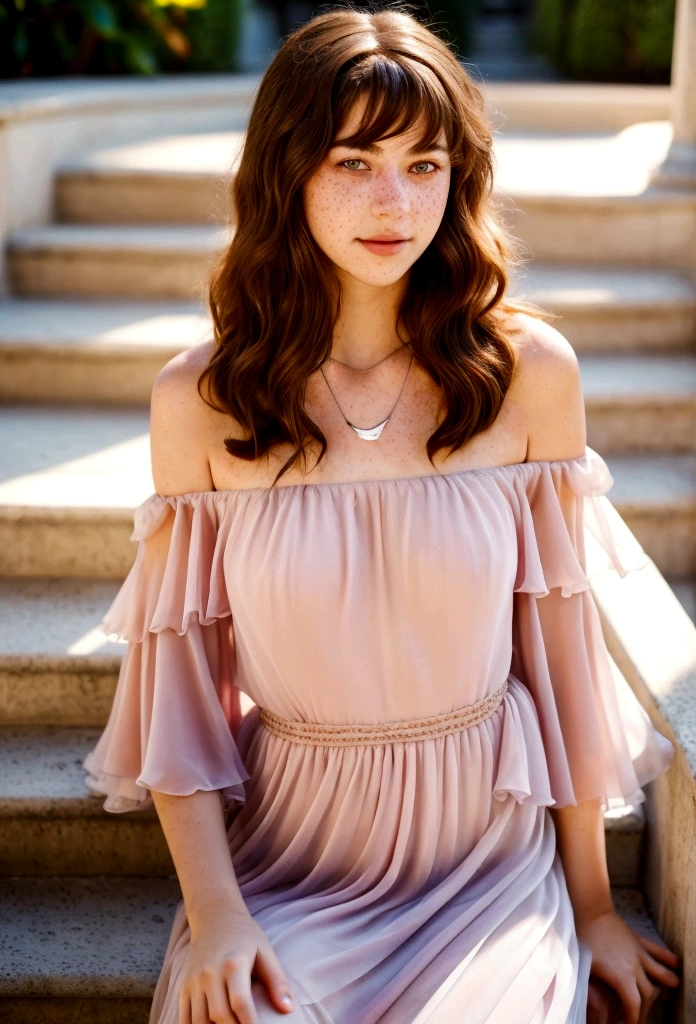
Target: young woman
[[372, 497]]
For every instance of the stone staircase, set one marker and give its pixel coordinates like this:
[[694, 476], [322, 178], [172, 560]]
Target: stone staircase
[[100, 300]]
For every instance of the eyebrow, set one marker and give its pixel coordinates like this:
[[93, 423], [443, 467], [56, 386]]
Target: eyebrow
[[374, 148]]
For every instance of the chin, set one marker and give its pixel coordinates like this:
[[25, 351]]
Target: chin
[[375, 279]]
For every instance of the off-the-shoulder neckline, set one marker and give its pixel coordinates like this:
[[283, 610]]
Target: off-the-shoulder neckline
[[382, 481]]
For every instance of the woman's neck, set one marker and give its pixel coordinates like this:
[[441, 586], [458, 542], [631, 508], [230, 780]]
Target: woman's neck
[[366, 328]]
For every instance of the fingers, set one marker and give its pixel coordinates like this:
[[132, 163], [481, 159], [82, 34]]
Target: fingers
[[648, 993], [218, 1003], [199, 1007], [184, 1007], [629, 994], [598, 1006], [659, 952], [273, 977], [219, 999], [658, 972], [238, 983]]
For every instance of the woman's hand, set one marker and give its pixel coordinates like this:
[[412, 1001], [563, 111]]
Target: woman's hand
[[630, 964], [226, 948]]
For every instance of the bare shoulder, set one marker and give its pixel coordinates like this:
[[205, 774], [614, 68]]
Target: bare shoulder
[[182, 425], [548, 390]]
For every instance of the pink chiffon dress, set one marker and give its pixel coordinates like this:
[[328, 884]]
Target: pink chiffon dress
[[428, 676]]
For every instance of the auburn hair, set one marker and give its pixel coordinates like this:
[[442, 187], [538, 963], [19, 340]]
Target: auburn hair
[[275, 297]]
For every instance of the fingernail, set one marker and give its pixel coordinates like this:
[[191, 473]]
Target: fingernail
[[287, 1001]]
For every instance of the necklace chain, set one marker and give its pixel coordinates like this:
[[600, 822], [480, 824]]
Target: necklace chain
[[366, 369], [369, 433]]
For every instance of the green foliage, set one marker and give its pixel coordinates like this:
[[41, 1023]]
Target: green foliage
[[621, 41], [213, 30], [456, 17], [654, 34], [597, 46], [548, 27], [75, 37]]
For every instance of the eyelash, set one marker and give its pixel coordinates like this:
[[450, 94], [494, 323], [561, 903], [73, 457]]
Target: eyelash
[[356, 159]]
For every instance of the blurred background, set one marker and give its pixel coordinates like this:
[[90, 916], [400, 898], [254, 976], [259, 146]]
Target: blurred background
[[545, 40]]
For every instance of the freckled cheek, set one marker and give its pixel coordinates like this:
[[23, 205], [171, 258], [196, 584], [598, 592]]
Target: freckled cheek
[[428, 206], [333, 208]]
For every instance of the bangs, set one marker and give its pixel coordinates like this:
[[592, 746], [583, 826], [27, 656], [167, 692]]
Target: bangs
[[398, 97]]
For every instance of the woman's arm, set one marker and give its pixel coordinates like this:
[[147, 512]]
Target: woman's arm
[[550, 394], [227, 945], [195, 832]]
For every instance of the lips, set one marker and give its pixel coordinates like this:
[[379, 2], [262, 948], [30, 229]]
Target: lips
[[384, 245]]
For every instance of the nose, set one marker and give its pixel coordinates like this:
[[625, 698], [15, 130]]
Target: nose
[[390, 194]]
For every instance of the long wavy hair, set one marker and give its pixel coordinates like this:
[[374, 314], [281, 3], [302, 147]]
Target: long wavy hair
[[275, 297]]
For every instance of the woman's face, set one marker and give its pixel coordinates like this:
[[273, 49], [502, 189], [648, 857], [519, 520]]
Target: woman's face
[[395, 190]]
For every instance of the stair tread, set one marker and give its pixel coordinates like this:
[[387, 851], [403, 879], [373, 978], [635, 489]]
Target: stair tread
[[133, 325], [114, 931], [41, 769], [528, 163], [57, 458], [41, 773], [195, 155], [624, 378], [47, 622], [119, 238], [65, 458], [658, 482], [121, 327], [597, 164], [571, 288], [95, 937]]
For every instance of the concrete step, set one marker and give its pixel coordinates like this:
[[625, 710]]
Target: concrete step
[[69, 480], [113, 261], [640, 403], [614, 309], [87, 351], [84, 352], [56, 665], [52, 824], [177, 179], [581, 198], [85, 950], [656, 495], [654, 229], [588, 198], [91, 949], [146, 181]]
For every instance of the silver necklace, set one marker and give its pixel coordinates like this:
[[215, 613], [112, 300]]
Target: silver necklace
[[366, 369], [369, 433]]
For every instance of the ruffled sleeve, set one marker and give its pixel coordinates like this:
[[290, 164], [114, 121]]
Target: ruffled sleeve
[[597, 737], [177, 709]]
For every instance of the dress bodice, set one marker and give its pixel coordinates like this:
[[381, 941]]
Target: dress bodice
[[385, 600]]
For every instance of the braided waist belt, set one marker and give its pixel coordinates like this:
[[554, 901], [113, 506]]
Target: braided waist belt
[[329, 734]]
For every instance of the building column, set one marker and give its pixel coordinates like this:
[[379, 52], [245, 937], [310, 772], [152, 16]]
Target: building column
[[679, 167]]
